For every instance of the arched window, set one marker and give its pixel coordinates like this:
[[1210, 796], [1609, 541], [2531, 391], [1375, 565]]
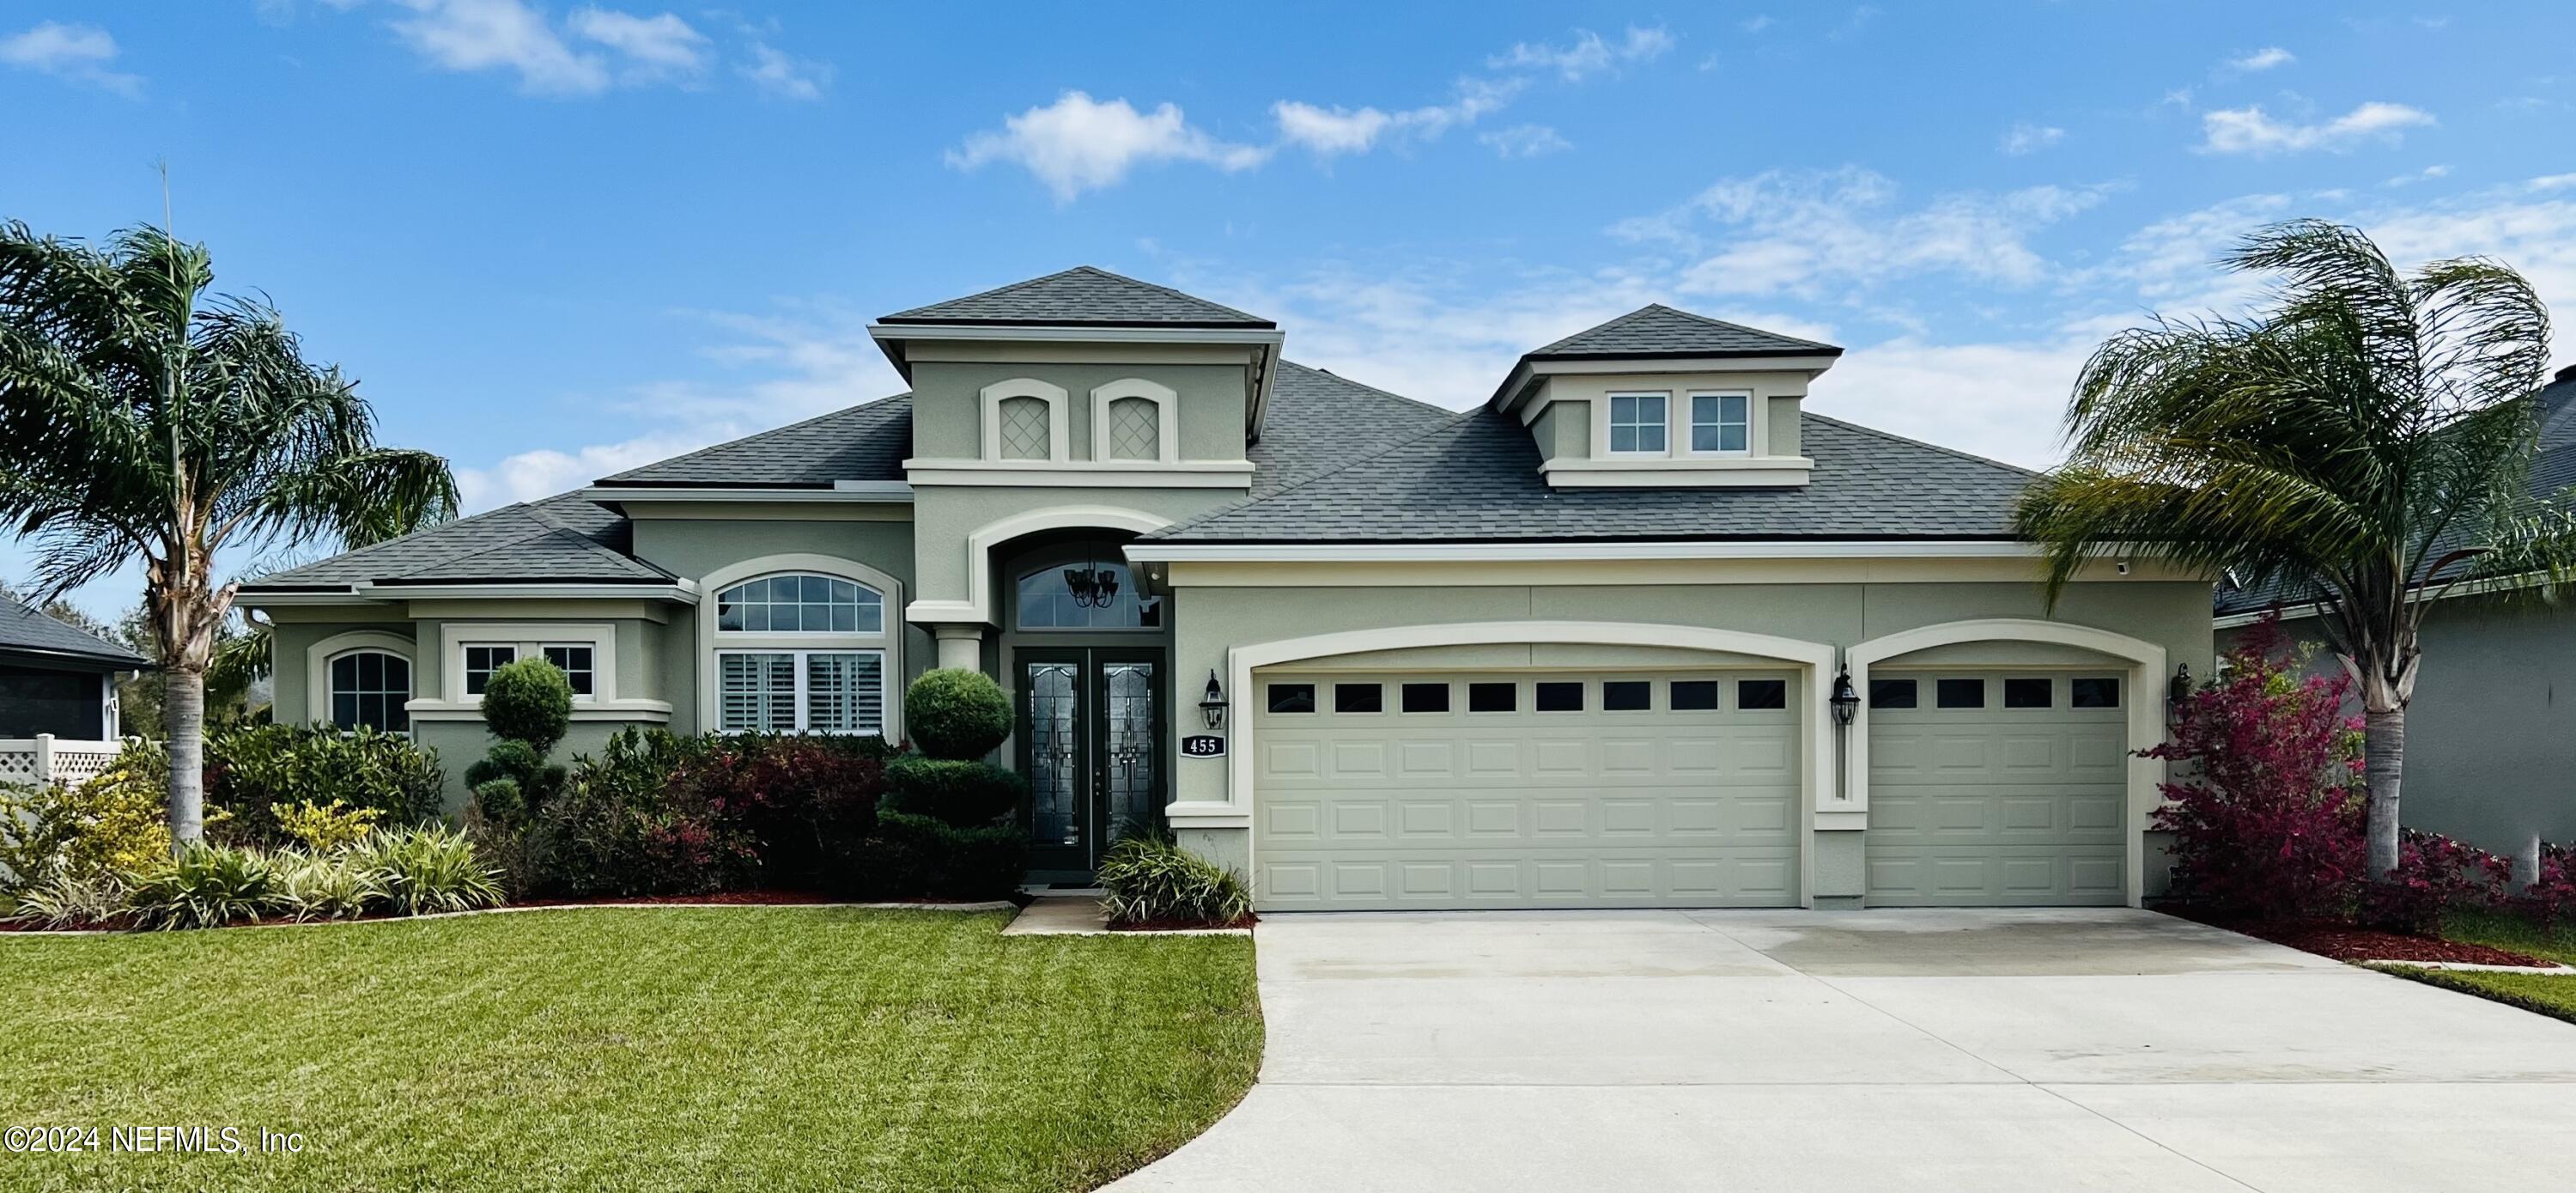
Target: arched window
[[799, 652], [369, 688], [1086, 595], [1026, 433], [1135, 429]]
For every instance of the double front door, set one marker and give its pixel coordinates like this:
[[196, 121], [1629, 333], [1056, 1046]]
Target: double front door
[[1091, 743]]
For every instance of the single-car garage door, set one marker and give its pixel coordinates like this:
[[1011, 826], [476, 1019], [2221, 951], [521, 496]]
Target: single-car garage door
[[1525, 789], [1992, 788]]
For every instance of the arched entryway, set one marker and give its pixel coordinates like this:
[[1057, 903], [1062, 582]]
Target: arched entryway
[[1086, 653]]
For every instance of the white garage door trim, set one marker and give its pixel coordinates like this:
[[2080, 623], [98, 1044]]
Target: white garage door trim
[[1816, 739], [2146, 708]]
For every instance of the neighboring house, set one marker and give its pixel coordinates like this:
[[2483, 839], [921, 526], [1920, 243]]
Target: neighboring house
[[2490, 752], [57, 679], [1575, 647]]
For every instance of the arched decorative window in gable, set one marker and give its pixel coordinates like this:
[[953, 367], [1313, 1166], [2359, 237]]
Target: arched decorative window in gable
[[1025, 428], [799, 652], [1135, 429]]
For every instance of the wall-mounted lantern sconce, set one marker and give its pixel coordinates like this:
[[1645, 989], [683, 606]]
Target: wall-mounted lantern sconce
[[1845, 700], [2179, 691], [1212, 705]]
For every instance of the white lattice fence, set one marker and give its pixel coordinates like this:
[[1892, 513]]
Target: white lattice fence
[[46, 760]]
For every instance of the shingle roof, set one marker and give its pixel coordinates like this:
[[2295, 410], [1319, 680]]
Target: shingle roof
[[1475, 477], [1318, 422], [1656, 330], [2553, 470], [1082, 295], [562, 538], [866, 442], [23, 627]]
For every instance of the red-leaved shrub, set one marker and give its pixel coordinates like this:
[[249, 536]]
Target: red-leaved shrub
[[807, 804], [2266, 809], [2434, 874]]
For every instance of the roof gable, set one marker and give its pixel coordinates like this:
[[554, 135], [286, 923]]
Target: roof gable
[[1656, 330], [562, 538], [1082, 296]]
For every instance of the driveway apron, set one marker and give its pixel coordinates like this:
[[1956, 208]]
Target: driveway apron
[[1918, 1050]]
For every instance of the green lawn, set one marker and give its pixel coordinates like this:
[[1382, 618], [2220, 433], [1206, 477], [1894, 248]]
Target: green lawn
[[2542, 994], [678, 1049]]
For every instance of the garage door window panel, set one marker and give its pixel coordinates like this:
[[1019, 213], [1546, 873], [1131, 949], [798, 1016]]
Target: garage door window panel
[[1892, 693], [1761, 695], [1359, 698], [1493, 697], [1426, 698], [2094, 692], [1557, 696], [1290, 697], [2030, 693], [1960, 693], [1627, 695], [1694, 695]]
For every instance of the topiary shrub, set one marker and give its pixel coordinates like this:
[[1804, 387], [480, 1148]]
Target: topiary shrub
[[956, 712], [923, 856], [961, 793], [1148, 878], [529, 701]]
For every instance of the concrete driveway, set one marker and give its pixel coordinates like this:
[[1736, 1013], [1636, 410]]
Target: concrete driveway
[[1916, 1050]]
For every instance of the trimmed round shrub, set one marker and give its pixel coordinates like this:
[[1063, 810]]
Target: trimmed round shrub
[[956, 712], [961, 793], [529, 701]]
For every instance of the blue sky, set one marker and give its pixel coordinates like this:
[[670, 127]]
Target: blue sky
[[555, 240]]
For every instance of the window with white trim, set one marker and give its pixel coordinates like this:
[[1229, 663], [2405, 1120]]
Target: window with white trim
[[1721, 424], [581, 652], [369, 688], [1638, 424], [800, 652]]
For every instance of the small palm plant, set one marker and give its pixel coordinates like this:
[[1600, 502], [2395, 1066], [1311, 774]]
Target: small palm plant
[[2365, 445], [141, 420]]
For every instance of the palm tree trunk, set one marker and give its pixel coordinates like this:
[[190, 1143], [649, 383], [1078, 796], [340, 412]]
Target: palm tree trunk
[[183, 715], [2383, 762]]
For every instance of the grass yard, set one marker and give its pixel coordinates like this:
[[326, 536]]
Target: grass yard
[[2539, 993], [663, 1049]]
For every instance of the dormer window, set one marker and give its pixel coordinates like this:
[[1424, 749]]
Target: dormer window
[[1638, 424], [1721, 424]]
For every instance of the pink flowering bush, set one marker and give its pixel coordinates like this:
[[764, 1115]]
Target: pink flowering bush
[[2266, 809]]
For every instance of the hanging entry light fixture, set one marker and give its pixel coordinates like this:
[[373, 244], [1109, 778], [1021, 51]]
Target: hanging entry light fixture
[[1093, 586]]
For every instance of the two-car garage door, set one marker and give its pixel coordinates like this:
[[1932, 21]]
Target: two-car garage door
[[1526, 789]]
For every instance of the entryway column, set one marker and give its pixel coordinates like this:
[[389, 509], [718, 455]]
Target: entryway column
[[961, 644]]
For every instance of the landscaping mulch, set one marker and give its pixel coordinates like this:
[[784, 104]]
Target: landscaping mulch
[[2348, 942], [1245, 920]]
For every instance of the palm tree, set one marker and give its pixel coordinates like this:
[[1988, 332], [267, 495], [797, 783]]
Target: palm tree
[[2366, 444], [141, 419]]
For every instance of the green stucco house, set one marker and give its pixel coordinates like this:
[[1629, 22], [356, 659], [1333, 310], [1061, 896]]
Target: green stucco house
[[1580, 646]]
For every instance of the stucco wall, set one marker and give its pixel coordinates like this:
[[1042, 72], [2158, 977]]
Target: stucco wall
[[945, 515], [947, 404], [2490, 744]]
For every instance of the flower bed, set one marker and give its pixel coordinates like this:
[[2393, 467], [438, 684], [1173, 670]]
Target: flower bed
[[2350, 942]]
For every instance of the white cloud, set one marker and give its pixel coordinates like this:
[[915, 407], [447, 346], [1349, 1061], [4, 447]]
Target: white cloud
[[2427, 174], [1756, 24], [1843, 231], [479, 35], [2262, 59], [80, 53], [1327, 132], [2030, 138], [1524, 140], [1587, 55], [2249, 130], [782, 76], [660, 46], [1078, 143]]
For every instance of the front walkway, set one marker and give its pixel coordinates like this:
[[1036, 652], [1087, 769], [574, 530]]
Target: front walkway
[[1921, 1050]]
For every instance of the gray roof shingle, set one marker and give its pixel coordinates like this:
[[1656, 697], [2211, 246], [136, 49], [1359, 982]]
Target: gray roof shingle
[[1656, 330], [1318, 422], [23, 627], [1082, 295], [1475, 477], [866, 442], [562, 538]]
